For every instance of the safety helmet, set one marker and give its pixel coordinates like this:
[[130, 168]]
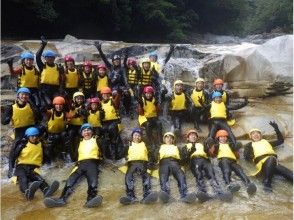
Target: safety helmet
[[254, 129], [221, 133], [48, 53], [87, 63], [132, 61], [153, 54], [136, 130], [169, 133], [148, 89], [199, 80], [68, 58], [192, 131], [216, 94], [218, 81], [105, 90], [76, 94], [101, 66], [32, 131], [145, 60], [23, 90], [58, 100], [85, 126], [178, 82], [27, 55], [94, 100], [116, 57]]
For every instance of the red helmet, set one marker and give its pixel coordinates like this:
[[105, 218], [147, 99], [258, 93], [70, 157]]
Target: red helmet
[[68, 58], [87, 63], [94, 100], [101, 66], [148, 89], [105, 90], [218, 81], [132, 61], [221, 133]]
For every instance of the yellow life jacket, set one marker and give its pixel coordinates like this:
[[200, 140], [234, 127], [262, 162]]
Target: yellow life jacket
[[262, 147], [32, 154], [78, 120], [50, 75], [89, 149], [29, 78], [22, 117], [94, 119], [225, 151], [169, 151], [196, 95], [146, 77], [224, 97], [218, 110], [156, 66], [88, 80], [132, 77], [71, 79], [138, 151], [56, 124], [179, 102], [101, 82], [149, 108], [199, 150], [110, 112]]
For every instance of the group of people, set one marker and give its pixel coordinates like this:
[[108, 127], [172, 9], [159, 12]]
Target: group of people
[[74, 113]]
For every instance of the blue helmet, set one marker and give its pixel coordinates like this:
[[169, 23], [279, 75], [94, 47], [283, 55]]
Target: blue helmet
[[85, 126], [23, 90], [153, 54], [48, 53], [27, 55], [32, 131], [216, 94], [137, 130]]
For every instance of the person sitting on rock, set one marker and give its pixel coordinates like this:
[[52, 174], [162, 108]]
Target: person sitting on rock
[[178, 106], [197, 157], [88, 80], [148, 109], [218, 115], [89, 159], [113, 144], [28, 75], [58, 143], [137, 161], [102, 79], [23, 113], [218, 87], [227, 155], [71, 77], [26, 159], [78, 116], [262, 153], [95, 115], [198, 111], [52, 75], [169, 163]]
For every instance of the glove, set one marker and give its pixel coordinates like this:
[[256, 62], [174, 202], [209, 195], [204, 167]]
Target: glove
[[274, 125], [10, 62], [43, 41]]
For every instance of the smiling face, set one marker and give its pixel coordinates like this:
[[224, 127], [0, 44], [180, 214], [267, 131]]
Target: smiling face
[[23, 97], [28, 62], [218, 87], [58, 108], [88, 69], [168, 139], [137, 138], [148, 95], [178, 88], [34, 139], [87, 133], [199, 85], [50, 60], [116, 62], [102, 72], [192, 138], [223, 139], [255, 136], [106, 96], [70, 65], [94, 106], [146, 66], [79, 100]]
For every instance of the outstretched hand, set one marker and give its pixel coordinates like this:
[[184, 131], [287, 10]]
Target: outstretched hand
[[274, 125], [43, 40]]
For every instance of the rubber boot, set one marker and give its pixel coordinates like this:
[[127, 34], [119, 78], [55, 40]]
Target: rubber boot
[[251, 188], [30, 192], [201, 193], [49, 191], [93, 200]]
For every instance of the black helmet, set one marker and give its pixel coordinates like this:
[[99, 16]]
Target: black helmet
[[116, 57]]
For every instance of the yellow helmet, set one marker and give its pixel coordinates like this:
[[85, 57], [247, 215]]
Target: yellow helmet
[[199, 80], [78, 94], [169, 133], [178, 82], [254, 129], [145, 60]]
